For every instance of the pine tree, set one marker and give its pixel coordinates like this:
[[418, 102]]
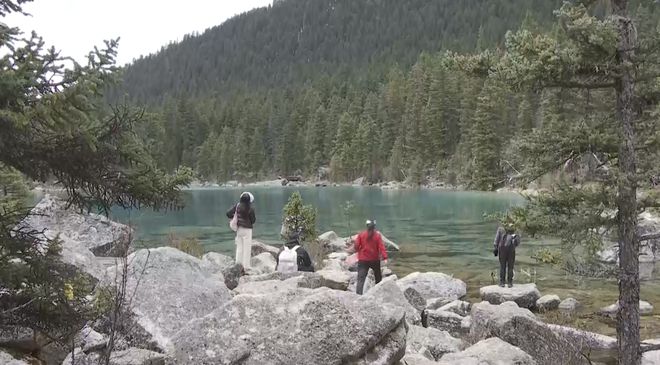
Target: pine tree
[[484, 141]]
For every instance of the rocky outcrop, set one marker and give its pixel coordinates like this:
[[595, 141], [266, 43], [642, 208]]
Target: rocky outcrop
[[431, 342], [263, 263], [525, 295], [519, 327], [172, 289], [388, 293], [434, 285], [548, 303], [130, 356], [492, 351], [97, 233], [273, 328], [645, 309], [19, 338]]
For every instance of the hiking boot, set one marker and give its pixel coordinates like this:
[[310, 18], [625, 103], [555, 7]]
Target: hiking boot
[[501, 285], [510, 285]]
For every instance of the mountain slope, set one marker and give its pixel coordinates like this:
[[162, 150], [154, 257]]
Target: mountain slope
[[298, 40]]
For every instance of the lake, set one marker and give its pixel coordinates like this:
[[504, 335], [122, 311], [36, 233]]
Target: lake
[[441, 231]]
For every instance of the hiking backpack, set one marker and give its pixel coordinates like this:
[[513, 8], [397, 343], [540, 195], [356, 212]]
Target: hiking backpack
[[288, 260]]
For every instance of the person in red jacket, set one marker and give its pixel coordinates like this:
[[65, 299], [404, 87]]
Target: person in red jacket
[[370, 250]]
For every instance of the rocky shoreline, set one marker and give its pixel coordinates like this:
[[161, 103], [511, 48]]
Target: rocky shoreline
[[189, 310]]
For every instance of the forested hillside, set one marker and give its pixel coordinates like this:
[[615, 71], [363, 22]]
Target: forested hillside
[[305, 84], [300, 40]]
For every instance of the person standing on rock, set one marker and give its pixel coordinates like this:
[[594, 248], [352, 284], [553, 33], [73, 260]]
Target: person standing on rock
[[505, 244], [246, 219], [370, 251]]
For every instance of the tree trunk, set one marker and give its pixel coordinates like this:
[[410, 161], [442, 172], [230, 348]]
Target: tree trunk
[[628, 315]]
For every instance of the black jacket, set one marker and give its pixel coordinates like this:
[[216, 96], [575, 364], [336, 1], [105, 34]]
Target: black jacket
[[304, 261], [246, 217]]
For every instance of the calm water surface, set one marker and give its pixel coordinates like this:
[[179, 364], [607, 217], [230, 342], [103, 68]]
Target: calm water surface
[[437, 231]]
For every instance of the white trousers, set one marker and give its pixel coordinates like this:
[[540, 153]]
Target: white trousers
[[244, 246]]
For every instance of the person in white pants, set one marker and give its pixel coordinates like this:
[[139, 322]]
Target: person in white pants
[[246, 220]]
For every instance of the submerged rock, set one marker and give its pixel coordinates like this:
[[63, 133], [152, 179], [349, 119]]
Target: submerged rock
[[434, 285], [569, 305], [171, 288], [431, 341], [548, 303], [492, 351], [273, 328], [525, 295]]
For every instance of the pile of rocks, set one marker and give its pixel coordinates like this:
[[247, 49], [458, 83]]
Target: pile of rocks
[[186, 310]]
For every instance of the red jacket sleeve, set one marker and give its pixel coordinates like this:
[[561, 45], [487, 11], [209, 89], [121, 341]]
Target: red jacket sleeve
[[381, 247], [358, 243]]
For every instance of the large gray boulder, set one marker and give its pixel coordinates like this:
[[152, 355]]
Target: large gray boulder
[[387, 292], [434, 285], [171, 288], [525, 295], [218, 261], [294, 327], [437, 303], [457, 306], [492, 351], [548, 303], [263, 263], [7, 359], [95, 232], [519, 327], [431, 341], [335, 279], [645, 309], [265, 287], [445, 321], [260, 247]]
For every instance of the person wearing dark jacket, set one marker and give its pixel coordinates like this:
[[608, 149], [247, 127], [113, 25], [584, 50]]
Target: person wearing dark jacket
[[370, 251], [246, 220], [302, 260], [505, 244]]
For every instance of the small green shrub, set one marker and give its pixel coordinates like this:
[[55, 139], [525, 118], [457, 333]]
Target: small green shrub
[[189, 245]]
